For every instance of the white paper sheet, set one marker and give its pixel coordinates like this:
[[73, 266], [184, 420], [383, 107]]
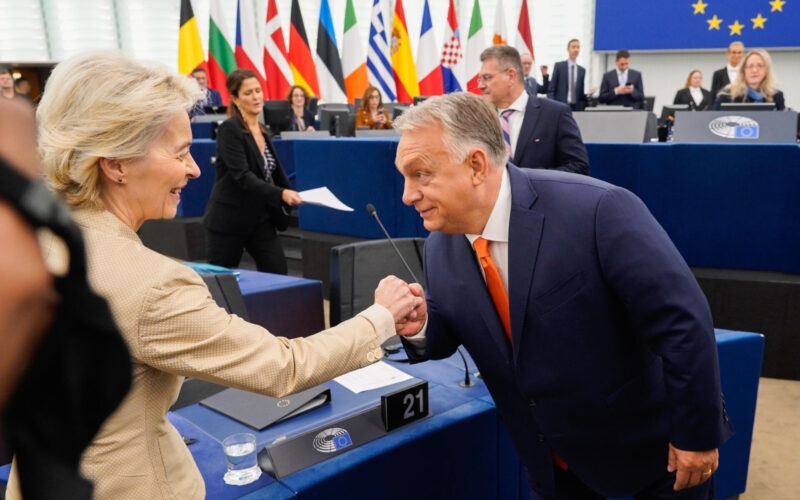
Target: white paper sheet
[[323, 197], [372, 377]]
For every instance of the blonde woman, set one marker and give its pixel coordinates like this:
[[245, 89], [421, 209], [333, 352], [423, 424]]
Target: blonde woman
[[118, 153], [755, 82], [698, 98]]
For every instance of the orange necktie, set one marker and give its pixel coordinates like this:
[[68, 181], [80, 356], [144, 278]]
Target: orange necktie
[[494, 283]]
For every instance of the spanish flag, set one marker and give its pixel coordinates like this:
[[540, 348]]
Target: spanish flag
[[190, 49], [405, 73], [300, 59]]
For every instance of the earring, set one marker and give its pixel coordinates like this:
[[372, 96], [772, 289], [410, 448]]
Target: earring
[[120, 180]]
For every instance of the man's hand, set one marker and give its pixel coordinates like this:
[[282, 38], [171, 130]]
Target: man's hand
[[543, 69], [694, 467], [413, 323], [395, 295], [623, 89]]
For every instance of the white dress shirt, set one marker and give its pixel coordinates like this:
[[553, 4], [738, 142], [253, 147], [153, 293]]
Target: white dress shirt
[[622, 78], [496, 232], [697, 95], [732, 72], [515, 120]]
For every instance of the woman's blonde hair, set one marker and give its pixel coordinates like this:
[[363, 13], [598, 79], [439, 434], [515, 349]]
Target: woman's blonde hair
[[104, 105], [769, 86]]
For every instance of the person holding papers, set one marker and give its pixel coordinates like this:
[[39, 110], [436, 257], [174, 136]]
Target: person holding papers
[[251, 197], [118, 154]]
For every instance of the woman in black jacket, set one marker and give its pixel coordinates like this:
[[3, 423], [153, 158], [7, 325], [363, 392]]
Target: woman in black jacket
[[251, 197], [698, 98], [755, 82]]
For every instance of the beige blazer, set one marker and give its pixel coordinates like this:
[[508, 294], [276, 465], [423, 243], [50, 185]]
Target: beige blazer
[[174, 329]]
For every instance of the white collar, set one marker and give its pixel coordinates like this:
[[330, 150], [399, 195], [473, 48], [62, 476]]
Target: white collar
[[520, 103], [496, 228]]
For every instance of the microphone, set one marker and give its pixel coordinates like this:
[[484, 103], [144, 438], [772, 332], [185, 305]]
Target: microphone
[[371, 210], [467, 382]]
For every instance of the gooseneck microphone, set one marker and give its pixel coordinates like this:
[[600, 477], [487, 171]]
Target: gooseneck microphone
[[371, 210]]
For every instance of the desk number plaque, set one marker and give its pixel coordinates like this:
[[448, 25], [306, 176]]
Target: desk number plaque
[[405, 406]]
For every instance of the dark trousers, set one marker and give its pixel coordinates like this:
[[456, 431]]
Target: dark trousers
[[570, 487], [262, 244]]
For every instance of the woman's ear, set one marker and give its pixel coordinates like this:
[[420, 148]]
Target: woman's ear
[[113, 170]]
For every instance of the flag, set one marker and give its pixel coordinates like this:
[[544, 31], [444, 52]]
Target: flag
[[190, 49], [379, 65], [500, 33], [276, 61], [429, 68], [524, 39], [221, 59], [247, 46], [353, 64], [405, 74], [452, 55], [476, 42], [300, 59], [329, 65]]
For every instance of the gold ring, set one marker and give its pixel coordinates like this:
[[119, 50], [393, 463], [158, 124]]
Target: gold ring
[[707, 473]]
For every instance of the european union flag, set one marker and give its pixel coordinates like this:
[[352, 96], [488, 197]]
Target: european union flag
[[695, 24], [342, 441]]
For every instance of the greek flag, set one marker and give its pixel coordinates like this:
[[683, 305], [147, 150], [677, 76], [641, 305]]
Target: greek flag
[[379, 65]]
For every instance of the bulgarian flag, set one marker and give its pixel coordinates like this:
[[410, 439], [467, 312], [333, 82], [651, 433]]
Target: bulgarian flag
[[221, 60], [405, 73], [276, 61], [300, 59], [190, 49], [354, 64], [476, 43]]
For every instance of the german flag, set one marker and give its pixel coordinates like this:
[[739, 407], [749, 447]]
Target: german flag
[[300, 58], [190, 49]]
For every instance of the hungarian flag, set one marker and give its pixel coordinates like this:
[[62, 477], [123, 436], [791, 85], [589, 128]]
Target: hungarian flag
[[353, 63], [221, 60], [500, 33], [247, 47], [476, 43], [452, 54], [329, 65], [190, 49], [300, 59], [428, 65], [405, 74], [524, 39], [276, 61]]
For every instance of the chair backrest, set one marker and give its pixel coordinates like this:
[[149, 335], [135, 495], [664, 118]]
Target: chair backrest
[[649, 102], [357, 268]]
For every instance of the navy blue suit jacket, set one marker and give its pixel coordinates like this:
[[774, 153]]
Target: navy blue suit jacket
[[214, 98], [611, 81], [550, 138], [613, 354], [559, 85]]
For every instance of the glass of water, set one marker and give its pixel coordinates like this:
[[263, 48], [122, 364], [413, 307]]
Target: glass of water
[[240, 456]]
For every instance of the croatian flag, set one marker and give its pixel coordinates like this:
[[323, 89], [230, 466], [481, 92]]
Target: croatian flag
[[452, 54]]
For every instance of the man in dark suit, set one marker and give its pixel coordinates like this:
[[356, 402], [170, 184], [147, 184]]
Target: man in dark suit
[[727, 74], [212, 96], [622, 86], [532, 87], [587, 326], [540, 133], [568, 77]]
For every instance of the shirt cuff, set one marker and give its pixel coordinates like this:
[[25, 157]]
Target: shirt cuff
[[381, 319]]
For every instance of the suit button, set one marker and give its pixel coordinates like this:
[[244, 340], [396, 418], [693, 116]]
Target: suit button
[[378, 354], [725, 417], [532, 402], [370, 357], [540, 437]]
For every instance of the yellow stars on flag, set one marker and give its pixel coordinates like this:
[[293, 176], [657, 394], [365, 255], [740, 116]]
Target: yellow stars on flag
[[700, 7], [758, 22], [777, 5], [736, 28], [713, 24]]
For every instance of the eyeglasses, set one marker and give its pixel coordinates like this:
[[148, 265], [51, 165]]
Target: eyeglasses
[[488, 76], [374, 97], [755, 66]]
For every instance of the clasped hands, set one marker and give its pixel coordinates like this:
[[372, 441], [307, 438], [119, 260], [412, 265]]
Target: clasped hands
[[406, 302]]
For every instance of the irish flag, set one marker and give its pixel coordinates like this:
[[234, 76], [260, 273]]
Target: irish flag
[[221, 60], [354, 64], [476, 43]]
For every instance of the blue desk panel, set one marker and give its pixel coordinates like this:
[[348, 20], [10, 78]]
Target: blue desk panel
[[726, 206], [194, 196]]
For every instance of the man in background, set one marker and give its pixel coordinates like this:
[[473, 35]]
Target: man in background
[[622, 86], [7, 90], [532, 87], [539, 133], [568, 77], [727, 75], [212, 98]]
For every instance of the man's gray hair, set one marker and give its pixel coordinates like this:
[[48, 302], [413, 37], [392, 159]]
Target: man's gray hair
[[506, 57], [467, 121]]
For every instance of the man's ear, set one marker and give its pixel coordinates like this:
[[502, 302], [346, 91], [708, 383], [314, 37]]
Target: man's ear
[[479, 163], [113, 170]]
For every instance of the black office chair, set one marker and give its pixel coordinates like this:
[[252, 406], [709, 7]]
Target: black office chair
[[649, 102], [357, 268]]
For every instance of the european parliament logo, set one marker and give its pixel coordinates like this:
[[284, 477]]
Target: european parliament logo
[[332, 440], [734, 127], [695, 24]]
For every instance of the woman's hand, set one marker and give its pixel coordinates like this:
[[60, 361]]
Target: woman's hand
[[291, 197], [310, 128]]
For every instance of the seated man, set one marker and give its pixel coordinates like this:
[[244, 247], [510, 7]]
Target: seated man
[[622, 86]]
